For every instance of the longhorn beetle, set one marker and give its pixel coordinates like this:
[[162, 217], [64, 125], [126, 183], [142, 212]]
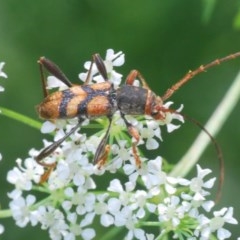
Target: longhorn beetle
[[101, 99]]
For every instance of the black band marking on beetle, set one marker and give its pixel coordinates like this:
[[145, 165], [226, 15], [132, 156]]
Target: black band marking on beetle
[[67, 96], [91, 93]]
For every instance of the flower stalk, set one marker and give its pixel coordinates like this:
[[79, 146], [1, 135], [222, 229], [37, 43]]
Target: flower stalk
[[20, 118]]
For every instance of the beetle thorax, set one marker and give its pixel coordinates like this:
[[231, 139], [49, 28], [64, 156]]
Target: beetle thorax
[[131, 100]]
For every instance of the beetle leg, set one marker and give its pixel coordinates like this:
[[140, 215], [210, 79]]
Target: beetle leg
[[136, 74], [54, 70], [96, 58], [89, 77], [103, 148], [100, 66], [44, 87], [50, 149], [134, 133], [47, 173]]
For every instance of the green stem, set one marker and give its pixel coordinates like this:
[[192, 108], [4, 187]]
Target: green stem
[[213, 125], [5, 213], [112, 233], [21, 118], [33, 123]]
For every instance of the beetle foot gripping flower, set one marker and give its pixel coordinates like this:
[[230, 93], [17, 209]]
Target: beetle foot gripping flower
[[141, 201]]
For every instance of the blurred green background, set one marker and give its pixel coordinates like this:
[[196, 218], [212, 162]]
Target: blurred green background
[[163, 39]]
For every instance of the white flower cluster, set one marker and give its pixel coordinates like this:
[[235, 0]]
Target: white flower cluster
[[74, 201], [78, 195], [4, 75]]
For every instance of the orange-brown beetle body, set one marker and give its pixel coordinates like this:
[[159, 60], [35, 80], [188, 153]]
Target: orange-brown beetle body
[[90, 101]]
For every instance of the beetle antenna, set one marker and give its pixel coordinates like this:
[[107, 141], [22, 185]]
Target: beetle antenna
[[216, 146], [218, 151], [195, 72]]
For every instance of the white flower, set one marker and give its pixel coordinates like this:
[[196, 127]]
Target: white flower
[[53, 82], [88, 233], [170, 116], [21, 210], [220, 218], [73, 198], [135, 233], [197, 184], [152, 175], [48, 127], [32, 170], [121, 150], [2, 74], [101, 208], [171, 210], [124, 195], [17, 177], [1, 229], [139, 202], [82, 200], [23, 177], [61, 176], [149, 134], [122, 153], [215, 224], [75, 229], [53, 219], [111, 61], [196, 203], [128, 208]]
